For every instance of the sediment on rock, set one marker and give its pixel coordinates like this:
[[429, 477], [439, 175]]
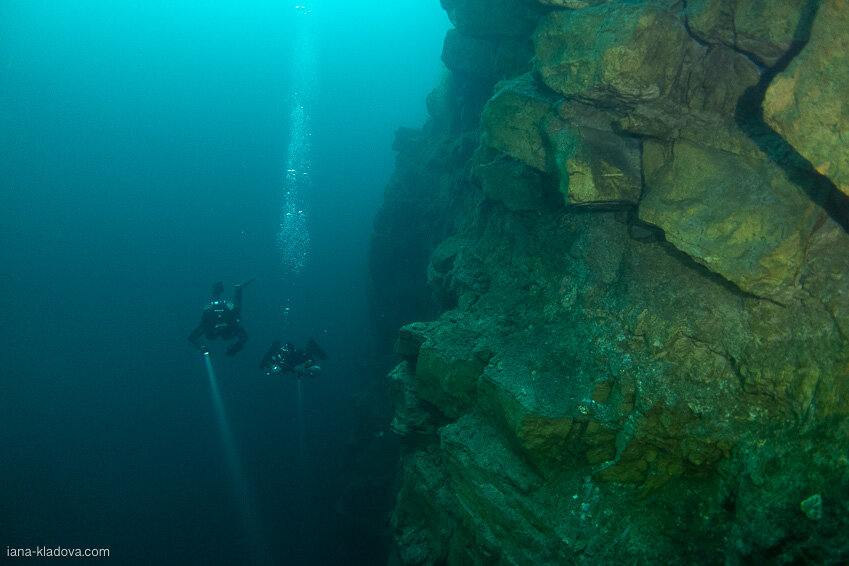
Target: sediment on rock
[[637, 350]]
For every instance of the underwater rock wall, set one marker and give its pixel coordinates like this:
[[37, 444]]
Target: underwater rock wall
[[632, 217]]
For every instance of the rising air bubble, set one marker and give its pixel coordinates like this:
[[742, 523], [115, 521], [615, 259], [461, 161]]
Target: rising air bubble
[[294, 236]]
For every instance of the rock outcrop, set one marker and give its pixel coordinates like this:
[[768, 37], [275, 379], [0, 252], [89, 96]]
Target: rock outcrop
[[628, 216], [806, 103]]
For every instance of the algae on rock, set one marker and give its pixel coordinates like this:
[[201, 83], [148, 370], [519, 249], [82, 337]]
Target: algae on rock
[[739, 217], [807, 104], [765, 29], [614, 54], [661, 376]]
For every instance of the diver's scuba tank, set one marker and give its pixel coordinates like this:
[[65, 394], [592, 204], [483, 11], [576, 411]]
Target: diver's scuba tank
[[215, 313]]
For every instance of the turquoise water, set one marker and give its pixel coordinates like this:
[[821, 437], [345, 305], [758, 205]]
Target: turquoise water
[[144, 151]]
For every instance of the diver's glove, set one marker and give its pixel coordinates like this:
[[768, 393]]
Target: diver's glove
[[313, 371], [234, 349]]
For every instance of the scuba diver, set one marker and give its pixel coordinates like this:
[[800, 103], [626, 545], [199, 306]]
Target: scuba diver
[[220, 319], [286, 358]]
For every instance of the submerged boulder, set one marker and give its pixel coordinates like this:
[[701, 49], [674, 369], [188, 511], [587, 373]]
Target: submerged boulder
[[573, 4], [492, 18], [469, 55], [596, 167], [513, 119], [643, 350], [741, 218], [614, 54], [447, 369], [765, 29], [593, 165], [513, 183], [807, 104]]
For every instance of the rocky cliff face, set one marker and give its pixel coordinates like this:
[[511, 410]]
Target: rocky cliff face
[[632, 217]]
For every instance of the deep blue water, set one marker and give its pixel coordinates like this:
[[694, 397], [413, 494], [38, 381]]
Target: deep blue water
[[142, 151]]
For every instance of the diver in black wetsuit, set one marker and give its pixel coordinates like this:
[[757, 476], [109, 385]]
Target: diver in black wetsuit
[[220, 319], [286, 358]]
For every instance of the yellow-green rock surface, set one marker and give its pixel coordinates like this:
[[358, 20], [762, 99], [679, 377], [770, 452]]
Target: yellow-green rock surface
[[617, 53], [807, 102], [740, 217], [641, 349], [764, 29]]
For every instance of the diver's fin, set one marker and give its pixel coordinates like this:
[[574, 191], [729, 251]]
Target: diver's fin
[[315, 350]]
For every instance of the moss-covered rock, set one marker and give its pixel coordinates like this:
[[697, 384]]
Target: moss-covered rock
[[448, 366], [702, 103], [765, 30], [455, 275], [573, 4], [595, 167], [806, 103], [826, 275], [410, 339], [513, 183], [512, 122], [421, 529], [741, 218], [413, 419], [601, 248], [469, 55], [599, 390], [614, 54]]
